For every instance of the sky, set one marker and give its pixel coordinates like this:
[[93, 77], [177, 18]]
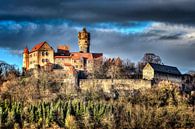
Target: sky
[[125, 28]]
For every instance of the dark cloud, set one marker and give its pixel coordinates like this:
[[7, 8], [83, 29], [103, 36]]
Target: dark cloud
[[179, 11], [17, 35], [170, 37]]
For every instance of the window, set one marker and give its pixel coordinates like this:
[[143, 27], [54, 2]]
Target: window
[[43, 53], [46, 53], [46, 60], [43, 60]]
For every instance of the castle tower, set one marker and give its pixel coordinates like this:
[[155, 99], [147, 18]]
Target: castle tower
[[26, 59], [84, 41]]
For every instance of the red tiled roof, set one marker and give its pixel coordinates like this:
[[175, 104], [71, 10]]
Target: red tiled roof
[[78, 55], [38, 46], [63, 47], [26, 50], [89, 56]]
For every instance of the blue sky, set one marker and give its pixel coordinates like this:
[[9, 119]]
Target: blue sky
[[10, 58]]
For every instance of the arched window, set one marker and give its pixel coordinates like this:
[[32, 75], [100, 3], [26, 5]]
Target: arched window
[[43, 60], [43, 53]]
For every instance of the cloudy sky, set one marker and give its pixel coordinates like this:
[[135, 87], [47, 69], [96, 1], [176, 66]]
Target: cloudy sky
[[124, 28]]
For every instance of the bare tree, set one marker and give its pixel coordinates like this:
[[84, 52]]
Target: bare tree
[[151, 58], [7, 72]]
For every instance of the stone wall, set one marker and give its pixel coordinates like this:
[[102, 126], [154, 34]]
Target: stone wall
[[119, 84]]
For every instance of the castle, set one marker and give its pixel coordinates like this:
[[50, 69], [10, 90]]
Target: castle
[[43, 55], [68, 66]]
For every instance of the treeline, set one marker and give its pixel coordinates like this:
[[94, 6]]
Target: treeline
[[117, 68]]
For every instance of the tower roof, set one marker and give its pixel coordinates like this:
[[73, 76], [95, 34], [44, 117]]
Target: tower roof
[[64, 47], [26, 50], [84, 29]]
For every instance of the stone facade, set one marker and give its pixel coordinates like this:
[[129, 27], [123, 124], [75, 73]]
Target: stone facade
[[118, 84], [84, 41]]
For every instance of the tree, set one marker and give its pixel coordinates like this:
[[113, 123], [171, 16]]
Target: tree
[[151, 58], [148, 58], [129, 69], [7, 72]]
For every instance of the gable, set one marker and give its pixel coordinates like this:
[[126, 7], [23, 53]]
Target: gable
[[46, 46], [43, 45], [148, 68], [148, 72]]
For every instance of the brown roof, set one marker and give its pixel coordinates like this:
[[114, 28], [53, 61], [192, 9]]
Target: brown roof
[[78, 55], [89, 56], [63, 47], [38, 46], [26, 50]]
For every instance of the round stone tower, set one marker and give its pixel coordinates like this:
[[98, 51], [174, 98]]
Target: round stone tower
[[84, 41], [26, 59]]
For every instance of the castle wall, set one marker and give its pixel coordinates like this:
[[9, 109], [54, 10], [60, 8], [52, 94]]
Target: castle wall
[[119, 84], [172, 78], [62, 61]]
